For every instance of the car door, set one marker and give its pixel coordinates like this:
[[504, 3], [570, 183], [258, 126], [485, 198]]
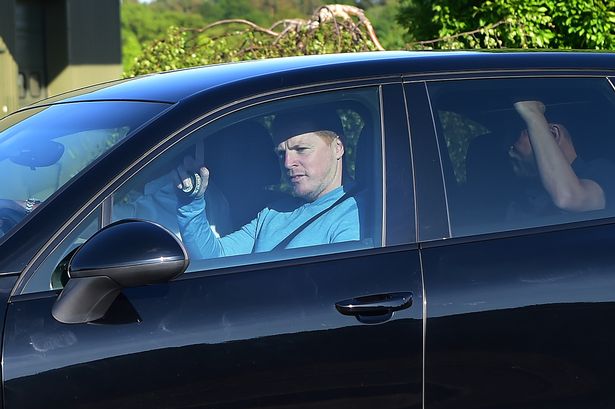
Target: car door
[[247, 331], [520, 294]]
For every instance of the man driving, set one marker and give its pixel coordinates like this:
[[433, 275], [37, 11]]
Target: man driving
[[310, 148]]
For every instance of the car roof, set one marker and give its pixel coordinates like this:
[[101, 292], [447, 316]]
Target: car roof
[[174, 86]]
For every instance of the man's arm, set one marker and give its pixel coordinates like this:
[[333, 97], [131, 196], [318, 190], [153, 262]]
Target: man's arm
[[202, 243], [554, 154], [195, 230]]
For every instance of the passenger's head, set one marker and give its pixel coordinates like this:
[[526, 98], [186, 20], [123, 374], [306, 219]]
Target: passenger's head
[[310, 147], [522, 152]]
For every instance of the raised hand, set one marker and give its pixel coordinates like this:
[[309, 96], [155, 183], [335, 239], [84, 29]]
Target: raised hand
[[191, 177]]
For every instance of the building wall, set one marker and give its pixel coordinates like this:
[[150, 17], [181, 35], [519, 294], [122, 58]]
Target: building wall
[[89, 34], [55, 46], [8, 65]]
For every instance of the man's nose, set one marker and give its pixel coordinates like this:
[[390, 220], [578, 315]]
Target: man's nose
[[289, 160]]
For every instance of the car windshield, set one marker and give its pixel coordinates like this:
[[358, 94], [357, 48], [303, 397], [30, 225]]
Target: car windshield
[[41, 149]]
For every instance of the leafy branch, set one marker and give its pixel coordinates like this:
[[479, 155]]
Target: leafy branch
[[451, 37], [331, 29]]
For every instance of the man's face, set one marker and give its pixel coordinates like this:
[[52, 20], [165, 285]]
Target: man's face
[[523, 147], [522, 155], [312, 164]]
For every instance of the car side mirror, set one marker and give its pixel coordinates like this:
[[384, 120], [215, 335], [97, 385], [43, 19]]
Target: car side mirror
[[128, 253], [41, 154]]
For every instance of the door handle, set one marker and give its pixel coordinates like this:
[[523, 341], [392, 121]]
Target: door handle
[[377, 304]]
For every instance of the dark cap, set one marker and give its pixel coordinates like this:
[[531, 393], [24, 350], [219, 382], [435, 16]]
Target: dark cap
[[299, 121]]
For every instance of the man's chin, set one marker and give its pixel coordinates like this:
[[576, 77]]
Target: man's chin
[[303, 194], [298, 192]]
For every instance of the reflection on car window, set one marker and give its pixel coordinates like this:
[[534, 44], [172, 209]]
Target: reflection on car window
[[286, 175], [526, 152], [43, 148], [52, 273]]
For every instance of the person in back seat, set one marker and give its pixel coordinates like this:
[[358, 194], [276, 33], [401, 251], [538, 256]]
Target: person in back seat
[[545, 151]]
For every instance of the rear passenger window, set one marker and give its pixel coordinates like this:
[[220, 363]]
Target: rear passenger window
[[520, 153]]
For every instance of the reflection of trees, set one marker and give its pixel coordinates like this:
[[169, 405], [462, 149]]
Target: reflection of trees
[[458, 132]]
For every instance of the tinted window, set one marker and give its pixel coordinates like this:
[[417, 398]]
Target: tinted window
[[248, 178], [526, 152], [269, 197], [44, 148]]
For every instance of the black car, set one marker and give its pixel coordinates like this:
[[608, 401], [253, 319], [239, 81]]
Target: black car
[[482, 273]]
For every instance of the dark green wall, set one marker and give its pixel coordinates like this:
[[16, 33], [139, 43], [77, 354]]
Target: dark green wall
[[73, 43]]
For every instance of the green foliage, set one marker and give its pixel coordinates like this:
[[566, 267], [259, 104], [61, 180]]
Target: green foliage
[[228, 9], [234, 41], [383, 17], [142, 24], [174, 51], [458, 132], [577, 24]]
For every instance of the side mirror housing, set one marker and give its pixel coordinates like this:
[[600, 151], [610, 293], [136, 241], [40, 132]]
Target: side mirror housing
[[128, 253], [41, 154]]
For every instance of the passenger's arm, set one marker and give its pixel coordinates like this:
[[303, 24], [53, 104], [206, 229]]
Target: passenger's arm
[[554, 155]]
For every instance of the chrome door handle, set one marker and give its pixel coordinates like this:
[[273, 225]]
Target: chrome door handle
[[375, 304]]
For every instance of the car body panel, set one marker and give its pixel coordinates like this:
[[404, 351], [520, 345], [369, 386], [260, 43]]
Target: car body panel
[[515, 319], [193, 102], [521, 321], [201, 341], [298, 71]]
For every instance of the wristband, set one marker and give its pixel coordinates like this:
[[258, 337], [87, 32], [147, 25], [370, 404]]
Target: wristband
[[31, 204], [192, 191]]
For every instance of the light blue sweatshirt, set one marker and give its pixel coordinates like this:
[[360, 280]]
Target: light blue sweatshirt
[[270, 227]]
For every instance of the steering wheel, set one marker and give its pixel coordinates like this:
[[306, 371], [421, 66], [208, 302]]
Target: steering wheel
[[9, 218]]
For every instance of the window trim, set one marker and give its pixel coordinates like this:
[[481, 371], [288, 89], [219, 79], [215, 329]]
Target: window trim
[[507, 75], [179, 135]]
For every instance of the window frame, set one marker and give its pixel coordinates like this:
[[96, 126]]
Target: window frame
[[103, 203], [440, 177]]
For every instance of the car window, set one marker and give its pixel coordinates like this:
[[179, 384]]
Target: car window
[[248, 181], [57, 261], [285, 179], [520, 153], [43, 148]]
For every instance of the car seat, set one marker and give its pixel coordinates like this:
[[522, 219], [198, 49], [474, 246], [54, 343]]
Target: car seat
[[242, 163], [366, 169], [491, 182]]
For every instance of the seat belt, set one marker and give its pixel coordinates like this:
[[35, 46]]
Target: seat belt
[[282, 245]]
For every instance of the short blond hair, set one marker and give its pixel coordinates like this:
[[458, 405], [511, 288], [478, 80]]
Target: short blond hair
[[329, 136]]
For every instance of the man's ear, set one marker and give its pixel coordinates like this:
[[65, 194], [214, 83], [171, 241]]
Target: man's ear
[[339, 148]]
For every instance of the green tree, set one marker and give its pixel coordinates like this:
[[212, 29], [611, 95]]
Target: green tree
[[141, 24], [383, 17], [229, 9], [331, 29], [182, 6], [563, 24]]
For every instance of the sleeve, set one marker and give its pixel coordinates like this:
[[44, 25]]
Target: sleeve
[[196, 233], [201, 242]]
